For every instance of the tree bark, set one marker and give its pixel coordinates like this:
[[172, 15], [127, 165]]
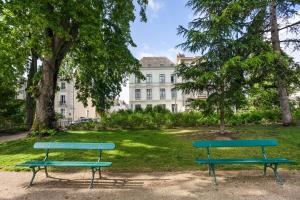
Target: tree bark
[[281, 88], [30, 102], [59, 47], [222, 111], [45, 114]]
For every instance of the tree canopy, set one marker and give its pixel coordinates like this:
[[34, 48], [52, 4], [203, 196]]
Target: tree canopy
[[96, 34]]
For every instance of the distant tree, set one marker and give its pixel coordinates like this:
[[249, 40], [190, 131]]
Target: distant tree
[[218, 71]]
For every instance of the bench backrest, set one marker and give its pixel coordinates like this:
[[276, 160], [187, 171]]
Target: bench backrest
[[234, 143], [71, 145]]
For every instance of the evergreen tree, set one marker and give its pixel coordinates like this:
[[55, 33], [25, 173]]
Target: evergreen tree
[[218, 71]]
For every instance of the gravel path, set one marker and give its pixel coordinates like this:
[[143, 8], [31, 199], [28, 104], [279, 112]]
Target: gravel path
[[147, 186], [16, 136]]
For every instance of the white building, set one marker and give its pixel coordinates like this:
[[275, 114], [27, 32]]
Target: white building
[[67, 104], [158, 88], [118, 105]]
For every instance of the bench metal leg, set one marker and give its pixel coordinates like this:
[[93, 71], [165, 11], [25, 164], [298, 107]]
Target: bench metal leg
[[99, 169], [93, 176], [265, 169], [278, 177], [33, 176], [214, 174], [46, 172], [209, 170]]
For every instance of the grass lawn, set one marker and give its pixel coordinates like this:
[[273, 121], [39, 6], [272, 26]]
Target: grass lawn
[[157, 150]]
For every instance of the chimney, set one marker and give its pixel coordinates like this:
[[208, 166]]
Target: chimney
[[178, 57]]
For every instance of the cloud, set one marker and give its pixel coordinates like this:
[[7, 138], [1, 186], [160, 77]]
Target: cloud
[[154, 5], [154, 8]]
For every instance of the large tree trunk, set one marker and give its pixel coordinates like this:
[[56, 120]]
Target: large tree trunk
[[45, 113], [222, 111], [30, 102], [281, 88]]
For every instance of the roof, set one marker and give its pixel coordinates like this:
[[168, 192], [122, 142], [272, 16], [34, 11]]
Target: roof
[[156, 62]]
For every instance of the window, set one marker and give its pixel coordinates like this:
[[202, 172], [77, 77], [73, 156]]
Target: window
[[63, 112], [149, 106], [87, 113], [137, 107], [149, 78], [137, 94], [161, 65], [149, 94], [174, 93], [62, 85], [173, 78], [174, 108], [162, 93], [161, 78], [62, 99], [137, 80]]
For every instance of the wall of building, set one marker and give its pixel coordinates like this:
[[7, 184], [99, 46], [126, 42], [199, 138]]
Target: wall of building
[[71, 108], [179, 100]]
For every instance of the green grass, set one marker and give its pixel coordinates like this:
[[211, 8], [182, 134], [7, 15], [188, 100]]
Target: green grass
[[156, 150]]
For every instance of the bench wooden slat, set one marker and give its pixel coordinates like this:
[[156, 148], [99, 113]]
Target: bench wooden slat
[[234, 143], [71, 145], [65, 164], [243, 161]]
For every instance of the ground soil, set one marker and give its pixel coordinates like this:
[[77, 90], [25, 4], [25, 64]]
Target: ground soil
[[11, 137], [246, 184]]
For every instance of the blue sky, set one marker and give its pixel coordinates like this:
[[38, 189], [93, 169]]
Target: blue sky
[[158, 36]]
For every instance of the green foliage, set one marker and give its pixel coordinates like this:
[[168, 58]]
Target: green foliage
[[158, 120], [219, 70], [94, 36], [43, 133]]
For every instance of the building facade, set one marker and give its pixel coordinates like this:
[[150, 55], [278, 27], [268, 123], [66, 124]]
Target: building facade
[[67, 104], [158, 87]]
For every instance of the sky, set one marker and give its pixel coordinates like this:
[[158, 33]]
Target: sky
[[158, 36]]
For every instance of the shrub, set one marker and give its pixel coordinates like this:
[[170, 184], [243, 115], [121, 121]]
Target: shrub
[[44, 133], [158, 117]]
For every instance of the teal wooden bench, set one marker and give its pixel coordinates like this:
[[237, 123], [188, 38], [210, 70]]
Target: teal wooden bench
[[264, 160], [38, 165]]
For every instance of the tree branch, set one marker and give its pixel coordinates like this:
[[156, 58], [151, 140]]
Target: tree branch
[[290, 40], [290, 25]]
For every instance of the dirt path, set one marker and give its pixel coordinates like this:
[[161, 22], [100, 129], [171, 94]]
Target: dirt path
[[147, 186], [16, 136]]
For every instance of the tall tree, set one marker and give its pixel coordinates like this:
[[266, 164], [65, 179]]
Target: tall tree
[[265, 19], [218, 71], [64, 27]]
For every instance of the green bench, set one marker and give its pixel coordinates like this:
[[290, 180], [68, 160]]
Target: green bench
[[264, 160], [47, 146]]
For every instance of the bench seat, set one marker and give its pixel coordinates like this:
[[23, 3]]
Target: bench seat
[[64, 164], [37, 165], [243, 161], [263, 160]]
